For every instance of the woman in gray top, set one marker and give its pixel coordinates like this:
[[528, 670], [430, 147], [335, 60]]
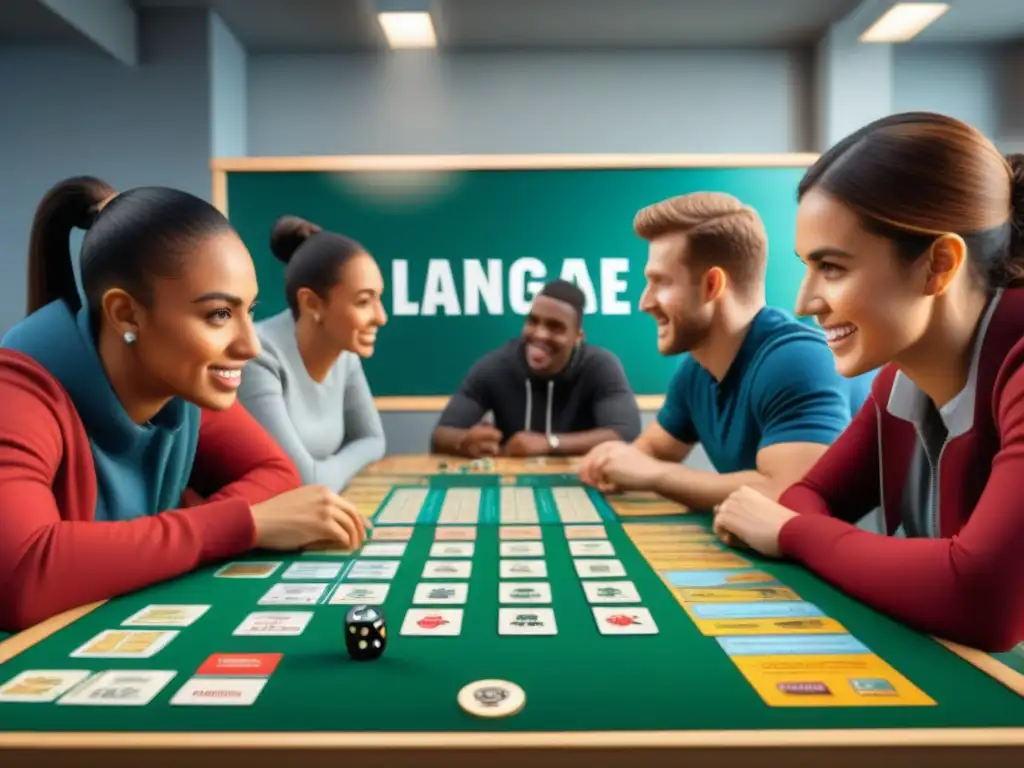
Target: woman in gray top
[[307, 386]]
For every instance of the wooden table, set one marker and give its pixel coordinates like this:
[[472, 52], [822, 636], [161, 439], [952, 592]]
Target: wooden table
[[671, 699]]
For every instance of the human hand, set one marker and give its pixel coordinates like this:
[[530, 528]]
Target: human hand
[[595, 457], [527, 444], [623, 467], [481, 439], [307, 515], [748, 517]]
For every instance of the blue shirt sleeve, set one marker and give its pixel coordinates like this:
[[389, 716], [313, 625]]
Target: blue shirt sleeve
[[674, 416], [798, 396]]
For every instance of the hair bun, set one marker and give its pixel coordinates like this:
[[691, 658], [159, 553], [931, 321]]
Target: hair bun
[[288, 234]]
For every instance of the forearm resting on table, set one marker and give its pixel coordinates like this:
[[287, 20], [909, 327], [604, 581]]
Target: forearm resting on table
[[447, 440], [579, 443], [699, 489]]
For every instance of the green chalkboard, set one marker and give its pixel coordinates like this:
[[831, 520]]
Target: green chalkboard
[[463, 250]]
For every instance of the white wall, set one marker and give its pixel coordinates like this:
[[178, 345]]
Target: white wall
[[686, 101]]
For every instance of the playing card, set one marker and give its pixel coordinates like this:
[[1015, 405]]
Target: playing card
[[452, 549], [585, 532], [383, 549], [41, 685], [247, 570], [629, 620], [293, 594], [523, 569], [358, 594], [428, 593], [392, 533], [312, 571], [373, 569], [601, 567], [250, 664], [455, 533], [522, 549], [510, 532], [121, 688], [611, 592], [165, 616], [125, 644], [447, 569], [432, 621], [524, 592], [274, 623], [590, 548], [526, 621], [219, 692]]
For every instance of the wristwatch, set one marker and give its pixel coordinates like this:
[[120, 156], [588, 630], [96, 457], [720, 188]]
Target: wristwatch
[[553, 442]]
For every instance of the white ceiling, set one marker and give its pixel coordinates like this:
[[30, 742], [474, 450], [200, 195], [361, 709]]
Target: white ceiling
[[348, 25]]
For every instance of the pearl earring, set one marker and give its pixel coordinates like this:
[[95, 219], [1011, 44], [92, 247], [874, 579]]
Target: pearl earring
[[129, 338], [316, 318]]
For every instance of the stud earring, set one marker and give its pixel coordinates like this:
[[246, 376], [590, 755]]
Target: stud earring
[[316, 318], [129, 338]]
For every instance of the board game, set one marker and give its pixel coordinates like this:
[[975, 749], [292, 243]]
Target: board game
[[591, 614]]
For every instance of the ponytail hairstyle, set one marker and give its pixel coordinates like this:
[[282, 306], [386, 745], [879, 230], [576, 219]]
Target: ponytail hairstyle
[[915, 176], [131, 238], [313, 258]]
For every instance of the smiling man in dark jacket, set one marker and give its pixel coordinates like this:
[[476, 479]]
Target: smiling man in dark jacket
[[549, 391]]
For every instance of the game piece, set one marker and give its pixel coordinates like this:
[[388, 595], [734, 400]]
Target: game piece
[[120, 688], [628, 620], [219, 692], [443, 466], [366, 633], [492, 698]]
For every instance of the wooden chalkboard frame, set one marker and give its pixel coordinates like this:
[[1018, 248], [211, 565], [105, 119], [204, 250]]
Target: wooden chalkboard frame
[[220, 167]]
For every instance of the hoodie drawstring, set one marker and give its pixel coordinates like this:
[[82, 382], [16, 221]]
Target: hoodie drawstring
[[529, 405], [551, 396], [528, 417]]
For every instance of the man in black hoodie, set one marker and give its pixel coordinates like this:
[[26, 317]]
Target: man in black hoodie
[[550, 393]]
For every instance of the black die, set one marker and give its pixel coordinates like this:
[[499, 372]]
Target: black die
[[366, 632]]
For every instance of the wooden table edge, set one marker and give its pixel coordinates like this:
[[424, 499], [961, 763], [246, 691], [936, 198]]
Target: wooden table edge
[[432, 403], [588, 740]]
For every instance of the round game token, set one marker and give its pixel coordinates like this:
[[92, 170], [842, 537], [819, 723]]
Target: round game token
[[492, 698]]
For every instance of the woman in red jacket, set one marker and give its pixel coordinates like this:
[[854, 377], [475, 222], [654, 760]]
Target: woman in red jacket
[[911, 231], [119, 403]]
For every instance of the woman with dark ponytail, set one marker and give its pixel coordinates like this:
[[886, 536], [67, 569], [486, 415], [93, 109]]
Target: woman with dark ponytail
[[911, 231], [125, 458], [307, 386]]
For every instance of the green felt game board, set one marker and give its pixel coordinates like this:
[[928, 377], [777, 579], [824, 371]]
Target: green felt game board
[[575, 680]]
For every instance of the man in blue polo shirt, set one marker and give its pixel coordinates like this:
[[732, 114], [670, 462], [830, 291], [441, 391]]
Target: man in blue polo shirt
[[758, 390]]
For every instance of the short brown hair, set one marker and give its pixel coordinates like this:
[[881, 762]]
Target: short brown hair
[[914, 176], [720, 231]]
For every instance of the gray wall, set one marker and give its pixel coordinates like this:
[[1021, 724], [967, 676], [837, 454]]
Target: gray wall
[[196, 94]]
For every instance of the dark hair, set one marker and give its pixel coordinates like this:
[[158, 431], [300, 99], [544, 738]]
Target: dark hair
[[570, 293], [130, 239], [914, 176], [313, 258]]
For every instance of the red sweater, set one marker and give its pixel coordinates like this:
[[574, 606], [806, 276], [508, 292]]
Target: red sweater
[[968, 585], [54, 556]]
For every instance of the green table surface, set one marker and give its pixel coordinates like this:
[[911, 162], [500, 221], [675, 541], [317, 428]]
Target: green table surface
[[575, 680]]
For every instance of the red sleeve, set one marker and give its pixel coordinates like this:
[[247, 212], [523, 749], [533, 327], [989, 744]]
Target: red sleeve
[[968, 588], [54, 559], [844, 482], [238, 459]]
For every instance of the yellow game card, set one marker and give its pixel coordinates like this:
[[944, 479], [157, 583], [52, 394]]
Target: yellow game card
[[697, 561], [854, 680], [742, 594], [681, 548], [723, 627], [644, 530], [125, 644]]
